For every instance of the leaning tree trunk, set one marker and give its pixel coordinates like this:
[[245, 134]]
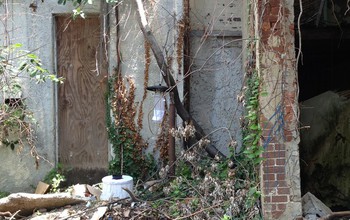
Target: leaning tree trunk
[[168, 78]]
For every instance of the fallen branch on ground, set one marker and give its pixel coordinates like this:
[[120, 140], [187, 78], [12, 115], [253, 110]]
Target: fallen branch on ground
[[132, 196], [6, 214], [27, 202]]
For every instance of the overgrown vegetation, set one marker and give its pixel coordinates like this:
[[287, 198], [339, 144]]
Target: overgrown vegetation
[[204, 187], [123, 134], [250, 159], [55, 177], [3, 194], [16, 120], [208, 188]]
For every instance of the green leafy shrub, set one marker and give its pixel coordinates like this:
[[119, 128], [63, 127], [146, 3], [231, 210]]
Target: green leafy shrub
[[3, 194], [55, 178], [16, 120]]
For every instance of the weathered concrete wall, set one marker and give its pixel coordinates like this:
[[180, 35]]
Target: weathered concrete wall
[[216, 73], [164, 17], [35, 30]]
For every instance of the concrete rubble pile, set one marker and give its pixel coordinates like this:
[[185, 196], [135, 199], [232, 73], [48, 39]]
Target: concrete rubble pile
[[325, 148]]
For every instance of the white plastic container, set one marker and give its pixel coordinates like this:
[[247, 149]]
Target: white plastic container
[[112, 188]]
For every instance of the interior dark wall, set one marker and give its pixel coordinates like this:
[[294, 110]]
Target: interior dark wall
[[325, 63], [324, 66]]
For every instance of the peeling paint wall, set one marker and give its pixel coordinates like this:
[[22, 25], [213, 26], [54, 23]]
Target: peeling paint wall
[[216, 16], [215, 69]]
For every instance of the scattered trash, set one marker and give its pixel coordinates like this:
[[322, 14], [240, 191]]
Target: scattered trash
[[99, 213], [94, 191], [42, 188], [79, 190]]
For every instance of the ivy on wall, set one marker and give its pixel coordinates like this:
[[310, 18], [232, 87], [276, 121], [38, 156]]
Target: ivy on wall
[[123, 133], [250, 157]]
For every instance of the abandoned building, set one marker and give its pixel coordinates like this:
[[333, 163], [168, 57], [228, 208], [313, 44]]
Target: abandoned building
[[299, 51]]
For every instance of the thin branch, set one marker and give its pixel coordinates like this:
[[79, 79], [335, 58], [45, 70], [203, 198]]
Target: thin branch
[[299, 32], [200, 211], [318, 14], [347, 7], [14, 215]]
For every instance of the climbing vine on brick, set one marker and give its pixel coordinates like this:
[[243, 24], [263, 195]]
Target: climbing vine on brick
[[252, 130]]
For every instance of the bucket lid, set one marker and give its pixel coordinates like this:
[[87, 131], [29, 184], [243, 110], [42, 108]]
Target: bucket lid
[[110, 180]]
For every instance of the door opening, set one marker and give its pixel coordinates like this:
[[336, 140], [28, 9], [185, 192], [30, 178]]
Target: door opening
[[324, 81]]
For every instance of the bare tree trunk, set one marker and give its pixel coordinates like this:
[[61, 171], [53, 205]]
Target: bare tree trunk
[[167, 76]]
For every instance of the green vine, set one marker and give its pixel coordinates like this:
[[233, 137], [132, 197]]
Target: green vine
[[55, 177], [252, 129], [250, 158]]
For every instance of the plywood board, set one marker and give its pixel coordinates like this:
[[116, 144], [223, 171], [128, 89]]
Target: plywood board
[[81, 98]]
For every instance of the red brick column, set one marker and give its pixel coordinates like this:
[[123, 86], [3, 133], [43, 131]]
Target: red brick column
[[280, 172]]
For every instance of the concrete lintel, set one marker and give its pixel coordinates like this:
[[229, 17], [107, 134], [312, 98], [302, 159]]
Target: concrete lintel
[[222, 33]]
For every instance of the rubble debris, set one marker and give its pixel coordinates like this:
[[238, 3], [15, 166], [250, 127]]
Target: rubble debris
[[94, 191], [27, 202], [324, 148], [42, 188], [79, 190], [313, 208], [99, 213]]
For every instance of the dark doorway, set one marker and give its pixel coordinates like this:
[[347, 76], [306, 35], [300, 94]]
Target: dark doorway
[[324, 82]]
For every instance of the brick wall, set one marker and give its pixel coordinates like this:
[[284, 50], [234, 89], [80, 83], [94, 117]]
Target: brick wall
[[280, 172]]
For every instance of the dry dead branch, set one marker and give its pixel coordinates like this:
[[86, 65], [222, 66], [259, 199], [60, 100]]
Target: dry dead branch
[[27, 202]]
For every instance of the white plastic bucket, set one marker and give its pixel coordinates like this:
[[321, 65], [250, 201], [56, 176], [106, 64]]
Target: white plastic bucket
[[112, 188]]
